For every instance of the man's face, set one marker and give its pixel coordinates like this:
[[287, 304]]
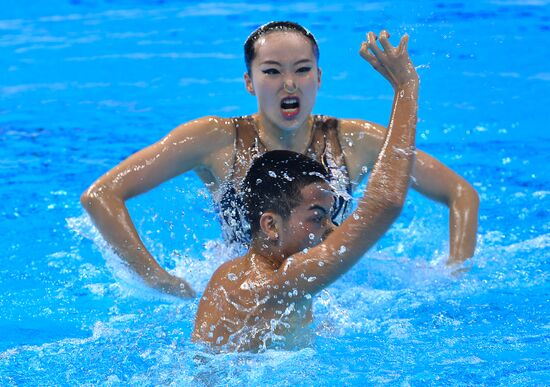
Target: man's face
[[310, 222]]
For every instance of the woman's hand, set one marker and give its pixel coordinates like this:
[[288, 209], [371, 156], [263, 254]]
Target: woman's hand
[[393, 63]]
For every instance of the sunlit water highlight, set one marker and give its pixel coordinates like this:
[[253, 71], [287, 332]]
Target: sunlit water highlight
[[84, 84]]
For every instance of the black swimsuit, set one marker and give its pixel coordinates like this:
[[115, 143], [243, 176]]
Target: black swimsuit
[[324, 147]]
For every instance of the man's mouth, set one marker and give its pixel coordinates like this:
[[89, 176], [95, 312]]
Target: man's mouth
[[290, 106]]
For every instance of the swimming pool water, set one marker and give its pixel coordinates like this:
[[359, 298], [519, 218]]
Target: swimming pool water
[[85, 83]]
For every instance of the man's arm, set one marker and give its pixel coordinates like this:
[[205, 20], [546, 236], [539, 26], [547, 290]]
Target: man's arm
[[430, 177], [311, 271], [185, 148]]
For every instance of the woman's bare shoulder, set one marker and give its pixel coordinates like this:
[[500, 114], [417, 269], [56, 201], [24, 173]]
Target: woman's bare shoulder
[[361, 141], [214, 127], [361, 128]]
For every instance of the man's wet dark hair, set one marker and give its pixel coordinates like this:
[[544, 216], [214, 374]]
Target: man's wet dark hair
[[275, 26], [274, 183]]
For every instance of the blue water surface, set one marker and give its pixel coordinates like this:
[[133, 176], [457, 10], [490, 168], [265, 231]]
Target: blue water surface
[[83, 84]]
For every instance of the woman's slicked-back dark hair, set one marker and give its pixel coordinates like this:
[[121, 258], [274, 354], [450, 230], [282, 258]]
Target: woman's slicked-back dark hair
[[274, 183], [275, 26]]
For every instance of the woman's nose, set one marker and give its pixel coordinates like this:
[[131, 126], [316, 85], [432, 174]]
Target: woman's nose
[[289, 85]]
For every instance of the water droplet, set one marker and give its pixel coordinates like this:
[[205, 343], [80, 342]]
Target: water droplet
[[311, 236], [356, 216], [321, 264], [272, 174], [342, 250], [258, 181], [311, 279], [232, 276]]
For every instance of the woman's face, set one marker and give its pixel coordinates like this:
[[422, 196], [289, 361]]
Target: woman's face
[[284, 78]]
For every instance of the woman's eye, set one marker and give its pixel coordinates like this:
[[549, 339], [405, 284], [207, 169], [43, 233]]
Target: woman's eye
[[270, 71], [304, 69]]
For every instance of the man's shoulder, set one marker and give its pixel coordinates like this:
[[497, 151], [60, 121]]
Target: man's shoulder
[[228, 270]]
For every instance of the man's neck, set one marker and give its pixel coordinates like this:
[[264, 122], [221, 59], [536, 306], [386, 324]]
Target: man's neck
[[263, 256]]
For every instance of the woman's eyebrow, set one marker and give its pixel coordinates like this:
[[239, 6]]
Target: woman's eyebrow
[[270, 62], [274, 62]]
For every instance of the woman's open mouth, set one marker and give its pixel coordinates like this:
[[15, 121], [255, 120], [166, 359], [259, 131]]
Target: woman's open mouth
[[290, 106]]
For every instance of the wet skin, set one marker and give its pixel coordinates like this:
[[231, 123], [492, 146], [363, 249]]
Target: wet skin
[[205, 145], [268, 291], [242, 304]]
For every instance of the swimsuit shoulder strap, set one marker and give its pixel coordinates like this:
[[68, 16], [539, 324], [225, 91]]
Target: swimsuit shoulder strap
[[325, 132], [325, 143], [326, 148], [246, 146]]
